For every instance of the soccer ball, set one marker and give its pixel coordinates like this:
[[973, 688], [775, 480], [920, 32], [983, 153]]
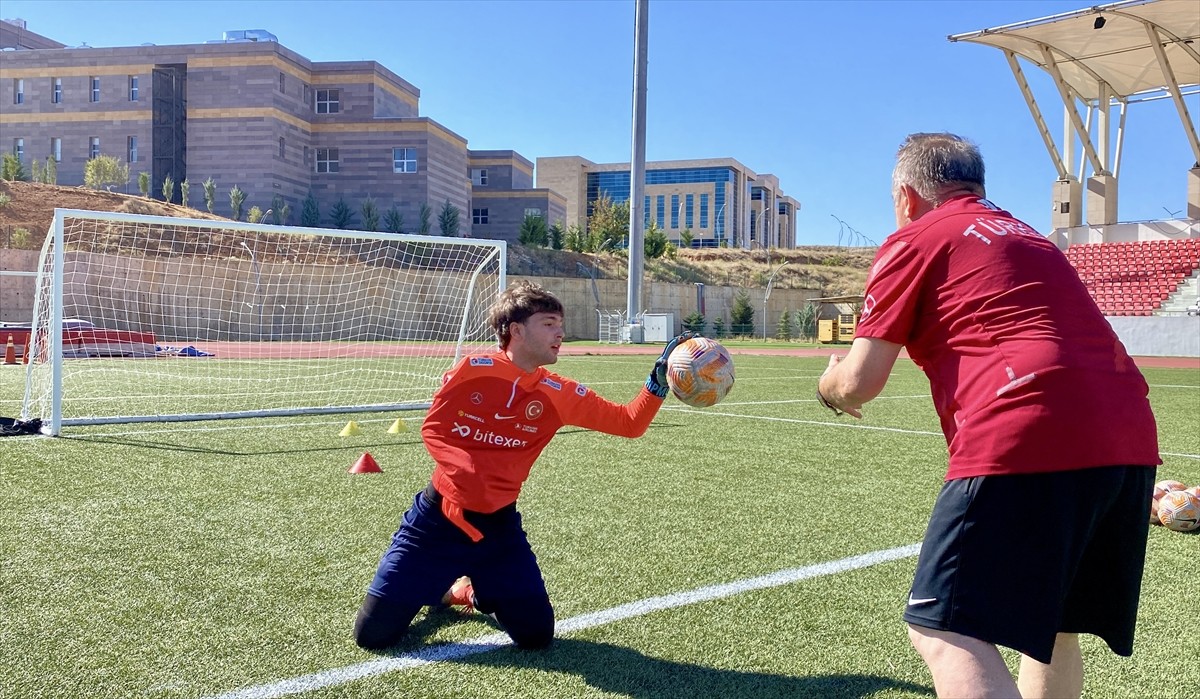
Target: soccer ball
[[700, 372], [1179, 510], [1161, 488]]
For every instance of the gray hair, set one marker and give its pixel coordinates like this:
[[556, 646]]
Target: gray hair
[[934, 164]]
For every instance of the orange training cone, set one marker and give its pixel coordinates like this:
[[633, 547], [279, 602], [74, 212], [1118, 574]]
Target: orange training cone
[[366, 464], [10, 352], [25, 353]]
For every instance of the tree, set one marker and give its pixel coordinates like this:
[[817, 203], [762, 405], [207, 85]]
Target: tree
[[104, 171], [655, 242], [533, 231], [237, 197], [783, 331], [393, 220], [423, 217], [184, 188], [310, 213], [341, 214], [210, 193], [608, 226], [168, 188], [144, 183], [805, 320], [12, 169], [556, 235], [694, 322], [448, 220], [741, 316], [255, 215], [279, 210], [719, 327], [370, 214], [686, 238], [574, 238], [50, 172]]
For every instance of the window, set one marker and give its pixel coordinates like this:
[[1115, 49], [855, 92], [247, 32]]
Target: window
[[19, 148], [660, 210], [18, 91], [704, 211], [56, 149], [93, 147], [132, 149], [533, 212], [688, 220], [133, 88], [646, 211], [479, 177], [327, 102], [282, 82], [56, 90], [95, 89], [479, 217], [282, 151], [327, 160], [674, 211], [405, 160]]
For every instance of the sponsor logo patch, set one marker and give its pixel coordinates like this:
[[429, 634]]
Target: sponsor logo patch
[[469, 416], [534, 410], [552, 383], [581, 390], [477, 398], [488, 437], [481, 361]]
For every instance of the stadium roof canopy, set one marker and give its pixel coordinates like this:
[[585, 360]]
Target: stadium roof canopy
[[1105, 56], [1139, 48]]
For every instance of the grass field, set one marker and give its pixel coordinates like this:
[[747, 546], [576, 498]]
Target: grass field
[[202, 559]]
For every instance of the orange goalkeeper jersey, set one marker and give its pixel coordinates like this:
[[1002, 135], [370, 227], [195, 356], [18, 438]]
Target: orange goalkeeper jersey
[[490, 420]]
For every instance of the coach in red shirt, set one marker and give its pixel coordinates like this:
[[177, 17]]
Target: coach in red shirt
[[1038, 400], [491, 418]]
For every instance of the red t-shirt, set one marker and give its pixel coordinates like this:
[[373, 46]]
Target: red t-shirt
[[490, 420], [1027, 375]]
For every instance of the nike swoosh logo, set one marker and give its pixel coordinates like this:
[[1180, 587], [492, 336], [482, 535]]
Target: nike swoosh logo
[[923, 600], [498, 416]]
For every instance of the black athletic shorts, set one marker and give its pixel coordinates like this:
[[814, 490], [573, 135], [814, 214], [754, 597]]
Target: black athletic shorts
[[1016, 559]]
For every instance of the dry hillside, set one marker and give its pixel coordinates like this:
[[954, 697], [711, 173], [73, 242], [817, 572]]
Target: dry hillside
[[29, 210]]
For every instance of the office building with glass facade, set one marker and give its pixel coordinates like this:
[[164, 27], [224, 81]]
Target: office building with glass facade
[[717, 201]]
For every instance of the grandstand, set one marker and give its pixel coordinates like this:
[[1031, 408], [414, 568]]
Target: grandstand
[[1142, 278]]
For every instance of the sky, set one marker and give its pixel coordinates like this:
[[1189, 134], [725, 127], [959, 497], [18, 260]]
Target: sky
[[819, 93]]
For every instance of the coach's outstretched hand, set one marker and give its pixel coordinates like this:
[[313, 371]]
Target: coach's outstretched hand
[[656, 383]]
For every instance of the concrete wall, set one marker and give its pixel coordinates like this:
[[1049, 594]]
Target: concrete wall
[[1176, 336]]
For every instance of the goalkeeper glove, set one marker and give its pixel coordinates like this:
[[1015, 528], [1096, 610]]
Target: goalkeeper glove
[[656, 383]]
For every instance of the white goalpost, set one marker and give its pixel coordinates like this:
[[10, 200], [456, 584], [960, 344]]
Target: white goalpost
[[152, 318]]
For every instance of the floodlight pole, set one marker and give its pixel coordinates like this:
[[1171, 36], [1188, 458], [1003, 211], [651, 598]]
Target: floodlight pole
[[637, 164]]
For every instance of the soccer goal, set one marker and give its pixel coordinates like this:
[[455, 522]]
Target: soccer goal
[[152, 318]]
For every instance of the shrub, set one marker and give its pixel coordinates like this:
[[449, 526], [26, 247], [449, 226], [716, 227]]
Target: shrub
[[279, 210], [19, 238], [144, 183], [805, 320], [719, 328], [556, 235], [168, 188], [370, 214], [184, 187], [310, 213], [210, 193], [50, 172], [341, 214], [783, 330], [695, 322], [741, 316], [254, 215], [448, 220], [11, 169], [533, 231], [4, 199], [237, 197], [423, 219], [393, 220], [104, 171]]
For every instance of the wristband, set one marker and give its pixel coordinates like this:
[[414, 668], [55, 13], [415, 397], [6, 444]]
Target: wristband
[[827, 404]]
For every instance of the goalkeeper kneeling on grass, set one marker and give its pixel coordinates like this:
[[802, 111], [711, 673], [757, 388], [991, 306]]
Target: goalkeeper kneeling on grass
[[461, 542]]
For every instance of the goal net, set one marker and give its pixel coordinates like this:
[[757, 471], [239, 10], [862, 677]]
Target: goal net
[[150, 318]]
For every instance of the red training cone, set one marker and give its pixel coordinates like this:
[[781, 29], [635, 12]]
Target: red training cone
[[10, 352], [366, 464]]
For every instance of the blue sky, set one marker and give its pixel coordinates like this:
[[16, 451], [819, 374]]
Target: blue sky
[[818, 93]]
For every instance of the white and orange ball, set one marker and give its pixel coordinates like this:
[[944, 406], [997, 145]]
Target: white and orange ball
[[1179, 510], [700, 372], [1161, 488]]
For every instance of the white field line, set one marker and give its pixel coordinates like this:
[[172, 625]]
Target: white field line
[[1184, 456], [1171, 385], [454, 651]]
